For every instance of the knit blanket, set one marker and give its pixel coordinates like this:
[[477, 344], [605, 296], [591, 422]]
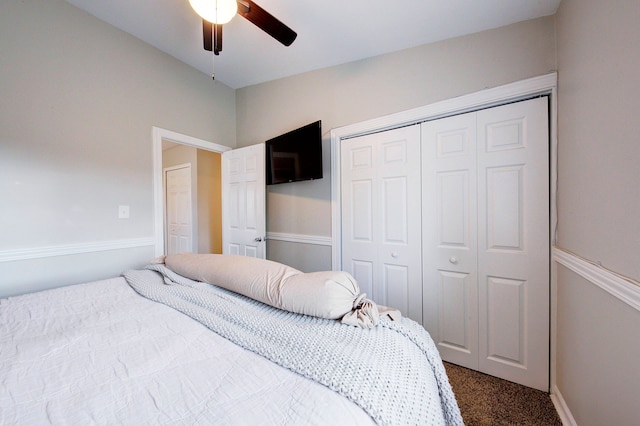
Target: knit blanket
[[389, 370]]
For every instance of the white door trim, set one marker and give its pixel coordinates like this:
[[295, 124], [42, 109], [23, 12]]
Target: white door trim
[[157, 136]]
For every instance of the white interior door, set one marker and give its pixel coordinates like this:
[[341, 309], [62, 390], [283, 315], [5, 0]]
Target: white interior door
[[381, 217], [179, 220], [486, 240], [243, 201]]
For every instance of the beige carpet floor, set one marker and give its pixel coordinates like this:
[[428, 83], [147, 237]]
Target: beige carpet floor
[[487, 400]]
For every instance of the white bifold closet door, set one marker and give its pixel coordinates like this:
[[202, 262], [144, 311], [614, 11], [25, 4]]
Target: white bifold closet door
[[485, 228], [381, 242]]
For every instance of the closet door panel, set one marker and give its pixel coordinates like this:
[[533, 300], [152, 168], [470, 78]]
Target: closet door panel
[[457, 328], [505, 321], [505, 208], [381, 217], [449, 237], [359, 194], [361, 237], [395, 214], [362, 214], [395, 287], [513, 242], [400, 226], [453, 205], [362, 271]]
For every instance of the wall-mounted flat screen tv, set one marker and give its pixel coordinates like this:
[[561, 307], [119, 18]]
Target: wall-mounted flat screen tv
[[295, 155]]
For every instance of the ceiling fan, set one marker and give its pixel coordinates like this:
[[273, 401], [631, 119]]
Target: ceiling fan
[[215, 13]]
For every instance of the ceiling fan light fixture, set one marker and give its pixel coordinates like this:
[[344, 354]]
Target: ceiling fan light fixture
[[215, 11]]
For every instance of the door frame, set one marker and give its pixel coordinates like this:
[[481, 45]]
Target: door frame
[[512, 92], [157, 136]]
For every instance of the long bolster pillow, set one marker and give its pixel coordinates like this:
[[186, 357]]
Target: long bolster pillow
[[327, 294]]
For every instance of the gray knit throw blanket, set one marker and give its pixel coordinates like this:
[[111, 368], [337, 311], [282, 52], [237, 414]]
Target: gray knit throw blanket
[[384, 370]]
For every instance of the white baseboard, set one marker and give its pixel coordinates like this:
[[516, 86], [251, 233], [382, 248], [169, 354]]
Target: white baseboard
[[71, 249], [298, 238], [561, 407], [616, 285]]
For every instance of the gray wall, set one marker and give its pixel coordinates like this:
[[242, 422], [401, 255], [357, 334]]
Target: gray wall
[[598, 203], [599, 101], [597, 353], [78, 99], [372, 88]]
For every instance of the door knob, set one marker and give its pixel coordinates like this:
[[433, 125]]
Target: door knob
[[257, 239], [394, 254], [453, 260]]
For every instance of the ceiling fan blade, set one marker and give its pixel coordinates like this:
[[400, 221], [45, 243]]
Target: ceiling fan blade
[[207, 35], [266, 22]]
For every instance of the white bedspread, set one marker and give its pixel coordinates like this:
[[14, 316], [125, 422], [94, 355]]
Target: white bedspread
[[99, 353], [393, 371]]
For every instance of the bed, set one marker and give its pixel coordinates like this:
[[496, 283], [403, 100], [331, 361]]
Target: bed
[[157, 347]]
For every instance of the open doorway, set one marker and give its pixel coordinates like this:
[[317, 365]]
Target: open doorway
[[192, 191], [170, 150]]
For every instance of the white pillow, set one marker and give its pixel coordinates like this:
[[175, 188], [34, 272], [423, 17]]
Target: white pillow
[[328, 294]]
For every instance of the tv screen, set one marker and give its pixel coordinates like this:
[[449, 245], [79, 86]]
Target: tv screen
[[295, 156]]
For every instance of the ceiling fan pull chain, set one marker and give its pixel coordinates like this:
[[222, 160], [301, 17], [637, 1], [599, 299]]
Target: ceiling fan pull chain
[[213, 68]]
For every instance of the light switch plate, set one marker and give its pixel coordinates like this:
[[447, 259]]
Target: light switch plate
[[123, 212]]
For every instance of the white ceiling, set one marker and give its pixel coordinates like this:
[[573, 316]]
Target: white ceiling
[[330, 32]]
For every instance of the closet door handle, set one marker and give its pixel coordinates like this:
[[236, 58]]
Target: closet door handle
[[394, 254], [453, 260]]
